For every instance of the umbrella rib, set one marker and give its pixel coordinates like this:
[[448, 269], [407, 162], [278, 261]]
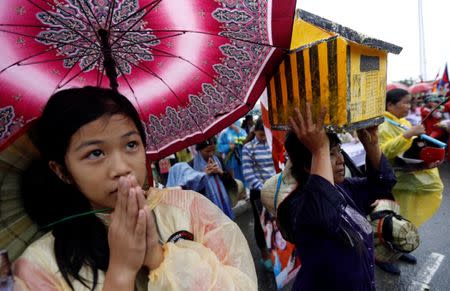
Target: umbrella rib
[[198, 68], [237, 39], [136, 53], [89, 20], [218, 82], [62, 22], [56, 59], [29, 57], [203, 32], [109, 17], [47, 39], [59, 6], [144, 68], [5, 226], [25, 25], [100, 74], [150, 71], [143, 42], [137, 12], [33, 26], [134, 95], [136, 22], [58, 86], [79, 73], [93, 15]]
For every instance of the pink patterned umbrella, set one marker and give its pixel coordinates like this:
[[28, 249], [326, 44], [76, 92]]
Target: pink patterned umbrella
[[392, 86], [420, 88], [191, 67]]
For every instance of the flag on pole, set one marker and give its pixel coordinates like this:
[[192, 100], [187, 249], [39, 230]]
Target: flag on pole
[[274, 138], [436, 82], [445, 75], [443, 83]]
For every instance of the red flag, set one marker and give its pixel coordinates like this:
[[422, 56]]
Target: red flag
[[445, 75]]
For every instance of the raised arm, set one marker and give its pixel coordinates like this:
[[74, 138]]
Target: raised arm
[[395, 141], [313, 136], [369, 139]]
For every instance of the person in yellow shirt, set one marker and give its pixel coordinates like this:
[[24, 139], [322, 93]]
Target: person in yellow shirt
[[418, 192]]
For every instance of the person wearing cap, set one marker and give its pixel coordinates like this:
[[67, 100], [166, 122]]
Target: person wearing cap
[[257, 166], [325, 215]]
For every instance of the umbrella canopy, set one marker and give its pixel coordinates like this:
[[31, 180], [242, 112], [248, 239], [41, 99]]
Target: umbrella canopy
[[420, 88], [191, 67], [392, 86]]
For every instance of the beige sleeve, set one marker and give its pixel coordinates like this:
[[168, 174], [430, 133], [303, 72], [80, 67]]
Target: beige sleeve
[[30, 276], [218, 259]]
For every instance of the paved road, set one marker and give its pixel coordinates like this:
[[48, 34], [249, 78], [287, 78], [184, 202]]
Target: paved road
[[432, 271]]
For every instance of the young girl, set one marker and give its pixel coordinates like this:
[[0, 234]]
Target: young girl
[[325, 216], [92, 144]]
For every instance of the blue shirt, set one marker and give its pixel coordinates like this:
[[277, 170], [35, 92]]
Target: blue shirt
[[329, 228], [257, 163]]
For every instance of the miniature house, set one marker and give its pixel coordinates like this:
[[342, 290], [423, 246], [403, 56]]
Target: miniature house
[[334, 67]]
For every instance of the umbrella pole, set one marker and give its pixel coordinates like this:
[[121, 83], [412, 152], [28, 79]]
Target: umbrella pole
[[434, 109], [108, 60]]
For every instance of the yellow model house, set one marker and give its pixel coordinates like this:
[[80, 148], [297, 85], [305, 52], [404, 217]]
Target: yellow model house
[[333, 66]]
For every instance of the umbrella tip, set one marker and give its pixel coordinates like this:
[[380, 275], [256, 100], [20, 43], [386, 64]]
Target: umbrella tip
[[102, 32]]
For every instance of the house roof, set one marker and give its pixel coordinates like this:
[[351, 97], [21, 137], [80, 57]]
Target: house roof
[[347, 33]]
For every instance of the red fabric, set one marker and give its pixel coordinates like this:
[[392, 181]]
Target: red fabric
[[278, 137], [188, 73], [446, 107], [445, 75], [420, 88], [429, 124], [396, 86]]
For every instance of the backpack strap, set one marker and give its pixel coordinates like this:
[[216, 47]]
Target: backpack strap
[[275, 198]]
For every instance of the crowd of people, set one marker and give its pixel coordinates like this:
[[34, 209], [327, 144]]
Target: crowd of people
[[123, 234]]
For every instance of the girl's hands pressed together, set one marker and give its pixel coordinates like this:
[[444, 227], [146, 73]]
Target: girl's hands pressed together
[[127, 233]]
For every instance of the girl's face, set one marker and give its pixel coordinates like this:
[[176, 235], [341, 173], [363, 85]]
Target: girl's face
[[102, 151], [338, 164], [401, 108]]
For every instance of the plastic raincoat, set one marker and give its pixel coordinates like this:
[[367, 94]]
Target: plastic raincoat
[[233, 160], [218, 257], [419, 193]]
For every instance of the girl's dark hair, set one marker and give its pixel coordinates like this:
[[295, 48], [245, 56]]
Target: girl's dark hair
[[301, 157], [81, 241], [395, 95]]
